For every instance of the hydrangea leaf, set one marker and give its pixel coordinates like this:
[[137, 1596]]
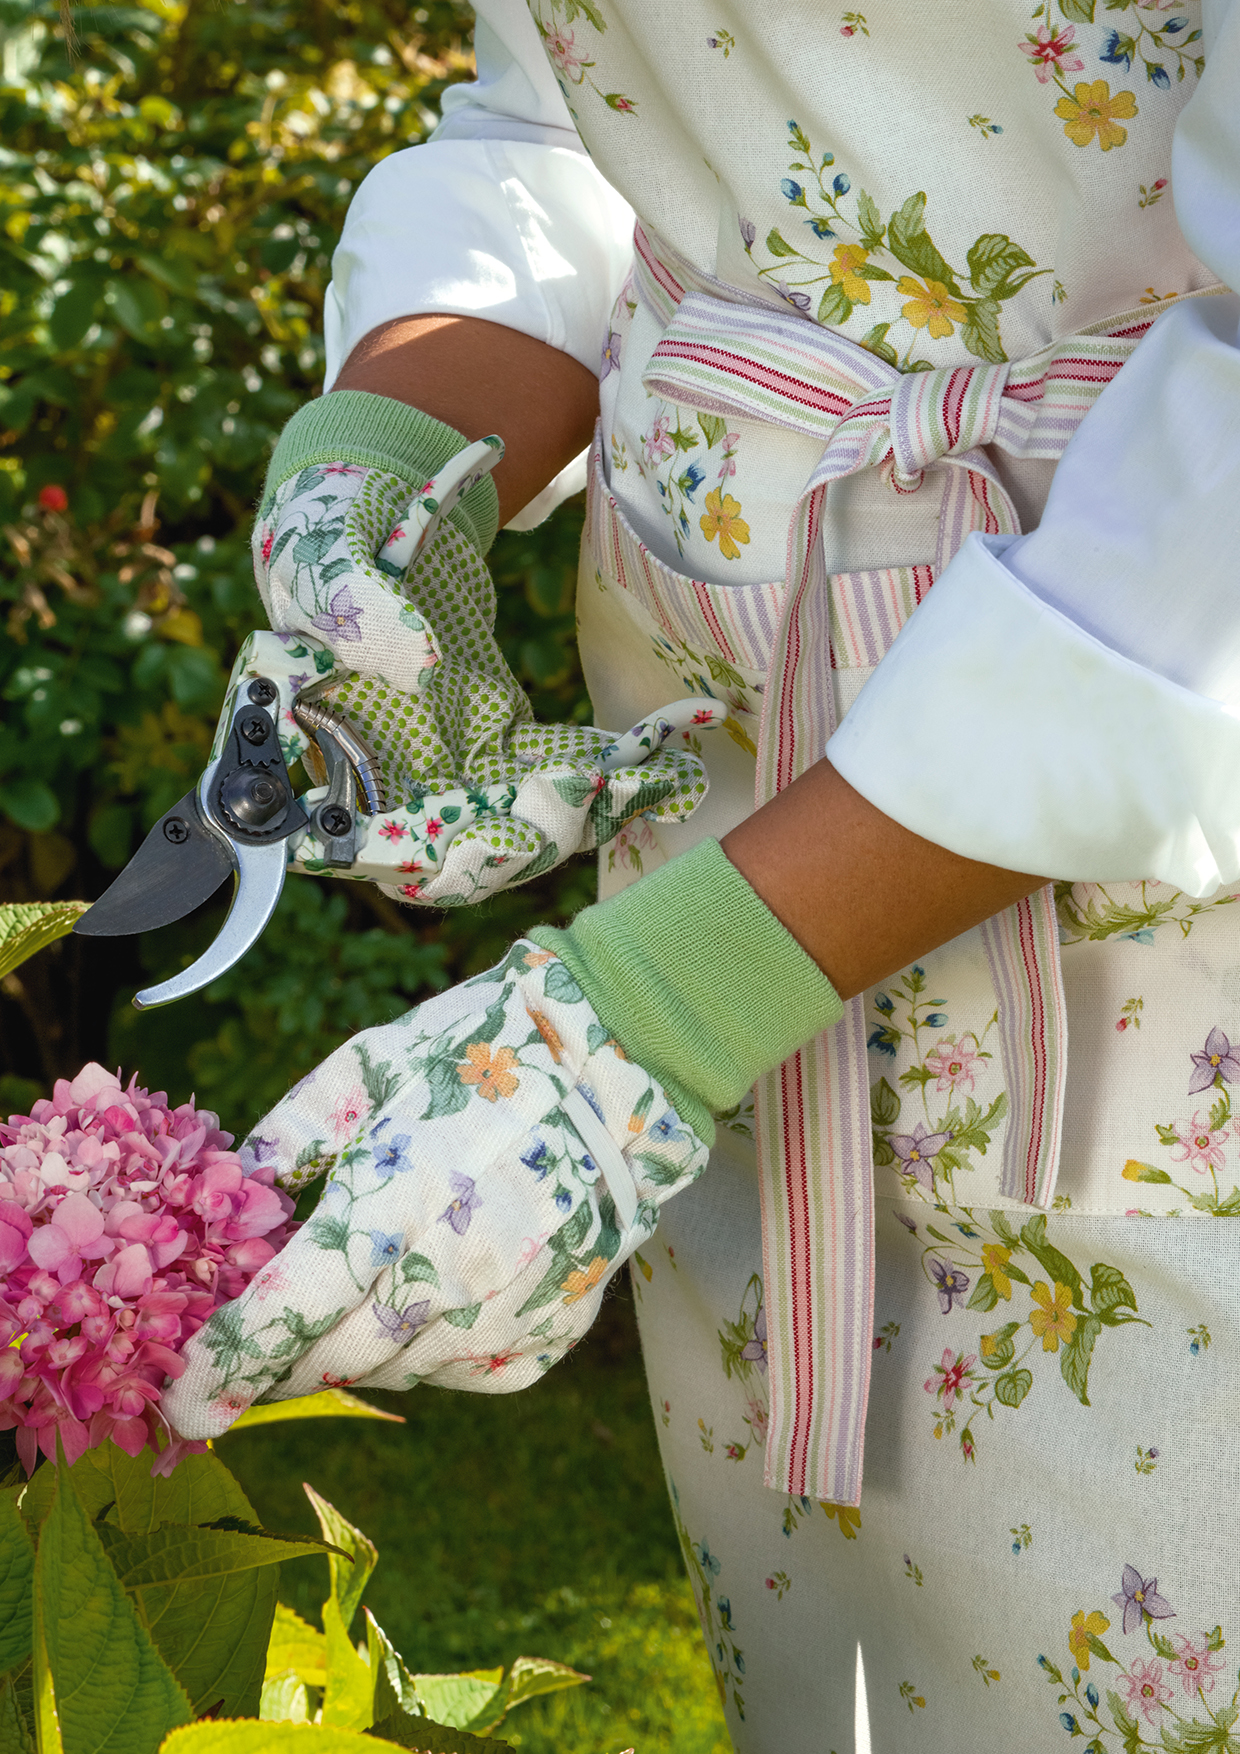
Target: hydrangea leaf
[[348, 1579], [114, 1692], [328, 1404], [250, 1737], [297, 1646], [30, 926], [16, 1584]]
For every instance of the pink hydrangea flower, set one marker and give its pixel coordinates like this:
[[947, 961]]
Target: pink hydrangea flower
[[124, 1224]]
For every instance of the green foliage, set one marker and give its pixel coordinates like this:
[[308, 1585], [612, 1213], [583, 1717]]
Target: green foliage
[[171, 201], [26, 928]]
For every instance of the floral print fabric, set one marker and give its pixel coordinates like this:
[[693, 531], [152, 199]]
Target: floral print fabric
[[491, 1159]]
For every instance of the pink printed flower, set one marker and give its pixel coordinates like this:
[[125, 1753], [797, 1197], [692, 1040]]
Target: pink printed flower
[[1199, 1144], [396, 536], [342, 469], [954, 1064], [1147, 1691], [1050, 52], [951, 1375], [268, 543], [393, 830], [704, 716], [349, 1112], [1195, 1664], [561, 46], [411, 891], [410, 866], [434, 828], [658, 443], [123, 1225]]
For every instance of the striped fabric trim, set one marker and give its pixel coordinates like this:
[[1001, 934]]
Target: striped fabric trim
[[1022, 949]]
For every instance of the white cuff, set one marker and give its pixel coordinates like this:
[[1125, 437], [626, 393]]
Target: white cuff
[[525, 235], [999, 729]]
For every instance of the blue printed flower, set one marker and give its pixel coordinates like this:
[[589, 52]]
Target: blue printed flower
[[390, 1158], [935, 1019], [668, 1127], [691, 480], [792, 192], [820, 228], [1117, 50], [537, 1159], [1069, 1723], [400, 1325], [1091, 1693], [563, 1200], [1174, 25], [465, 1202], [724, 1604], [883, 1003], [841, 185], [710, 1564], [385, 1247], [1155, 71]]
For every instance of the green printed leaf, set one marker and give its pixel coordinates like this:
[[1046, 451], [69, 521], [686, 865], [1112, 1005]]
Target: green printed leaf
[[1002, 1227], [327, 1404], [993, 259], [1079, 11], [574, 788], [983, 1296], [589, 10], [1125, 1723], [1100, 1650], [910, 243], [349, 1575], [415, 1268], [1057, 1266], [714, 429], [329, 1232], [448, 1095], [1074, 1357], [1013, 1386], [980, 331], [27, 927], [1109, 1289], [776, 243], [884, 1104], [381, 1081], [835, 306], [463, 1318], [114, 1693], [999, 1349], [560, 985], [872, 229], [16, 1584]]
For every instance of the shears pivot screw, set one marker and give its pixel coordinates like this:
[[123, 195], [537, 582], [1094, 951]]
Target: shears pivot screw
[[335, 821], [176, 829], [255, 729], [262, 692]]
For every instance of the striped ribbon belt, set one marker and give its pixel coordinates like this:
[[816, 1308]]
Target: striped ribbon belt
[[723, 353]]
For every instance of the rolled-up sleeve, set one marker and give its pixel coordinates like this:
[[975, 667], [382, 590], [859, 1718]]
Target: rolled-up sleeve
[[501, 214], [1086, 676]]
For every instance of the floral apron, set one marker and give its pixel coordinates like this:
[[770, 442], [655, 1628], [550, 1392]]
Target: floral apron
[[1051, 1362]]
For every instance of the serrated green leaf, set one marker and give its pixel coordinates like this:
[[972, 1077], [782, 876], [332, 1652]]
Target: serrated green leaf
[[1074, 1357], [284, 1699], [980, 331], [1109, 1289], [911, 245], [1054, 1263], [175, 1554], [426, 1737], [16, 1584], [462, 1701], [872, 229], [348, 1697], [349, 1577], [114, 1692], [251, 1737], [27, 927], [327, 1404], [993, 259], [297, 1646], [531, 1676]]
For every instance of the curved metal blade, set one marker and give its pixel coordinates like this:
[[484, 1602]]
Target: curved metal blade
[[260, 878], [178, 866]]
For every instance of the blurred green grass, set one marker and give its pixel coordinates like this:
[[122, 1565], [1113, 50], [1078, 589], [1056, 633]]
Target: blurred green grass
[[529, 1524]]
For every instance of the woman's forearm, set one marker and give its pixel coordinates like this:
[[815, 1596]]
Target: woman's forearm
[[481, 378], [861, 894]]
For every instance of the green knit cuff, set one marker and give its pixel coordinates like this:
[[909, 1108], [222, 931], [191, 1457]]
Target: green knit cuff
[[378, 432], [697, 980]]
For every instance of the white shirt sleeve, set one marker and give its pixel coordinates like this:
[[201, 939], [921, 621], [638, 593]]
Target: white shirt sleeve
[[501, 215], [1087, 675]]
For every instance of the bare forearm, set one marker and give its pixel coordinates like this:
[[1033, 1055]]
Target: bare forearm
[[481, 378], [861, 894]]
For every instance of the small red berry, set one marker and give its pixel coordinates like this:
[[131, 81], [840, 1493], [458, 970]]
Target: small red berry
[[53, 498]]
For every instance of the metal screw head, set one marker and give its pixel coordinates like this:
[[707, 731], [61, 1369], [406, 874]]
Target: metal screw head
[[255, 728], [176, 829], [262, 692], [335, 821]]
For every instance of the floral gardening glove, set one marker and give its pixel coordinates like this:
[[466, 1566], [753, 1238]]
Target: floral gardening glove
[[495, 1155], [371, 563]]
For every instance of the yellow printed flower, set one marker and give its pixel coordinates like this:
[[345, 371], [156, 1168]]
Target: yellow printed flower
[[995, 1258], [1093, 111], [930, 306], [1053, 1318], [492, 1075], [847, 1519], [1083, 1625], [549, 1033], [579, 1285], [722, 518], [847, 259]]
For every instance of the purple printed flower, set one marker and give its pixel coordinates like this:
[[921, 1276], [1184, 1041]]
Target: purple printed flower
[[342, 618], [465, 1201], [390, 1158], [952, 1284], [798, 300], [916, 1149], [754, 1351], [749, 231], [611, 355], [259, 1150], [402, 1324], [1139, 1598], [1220, 1060]]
